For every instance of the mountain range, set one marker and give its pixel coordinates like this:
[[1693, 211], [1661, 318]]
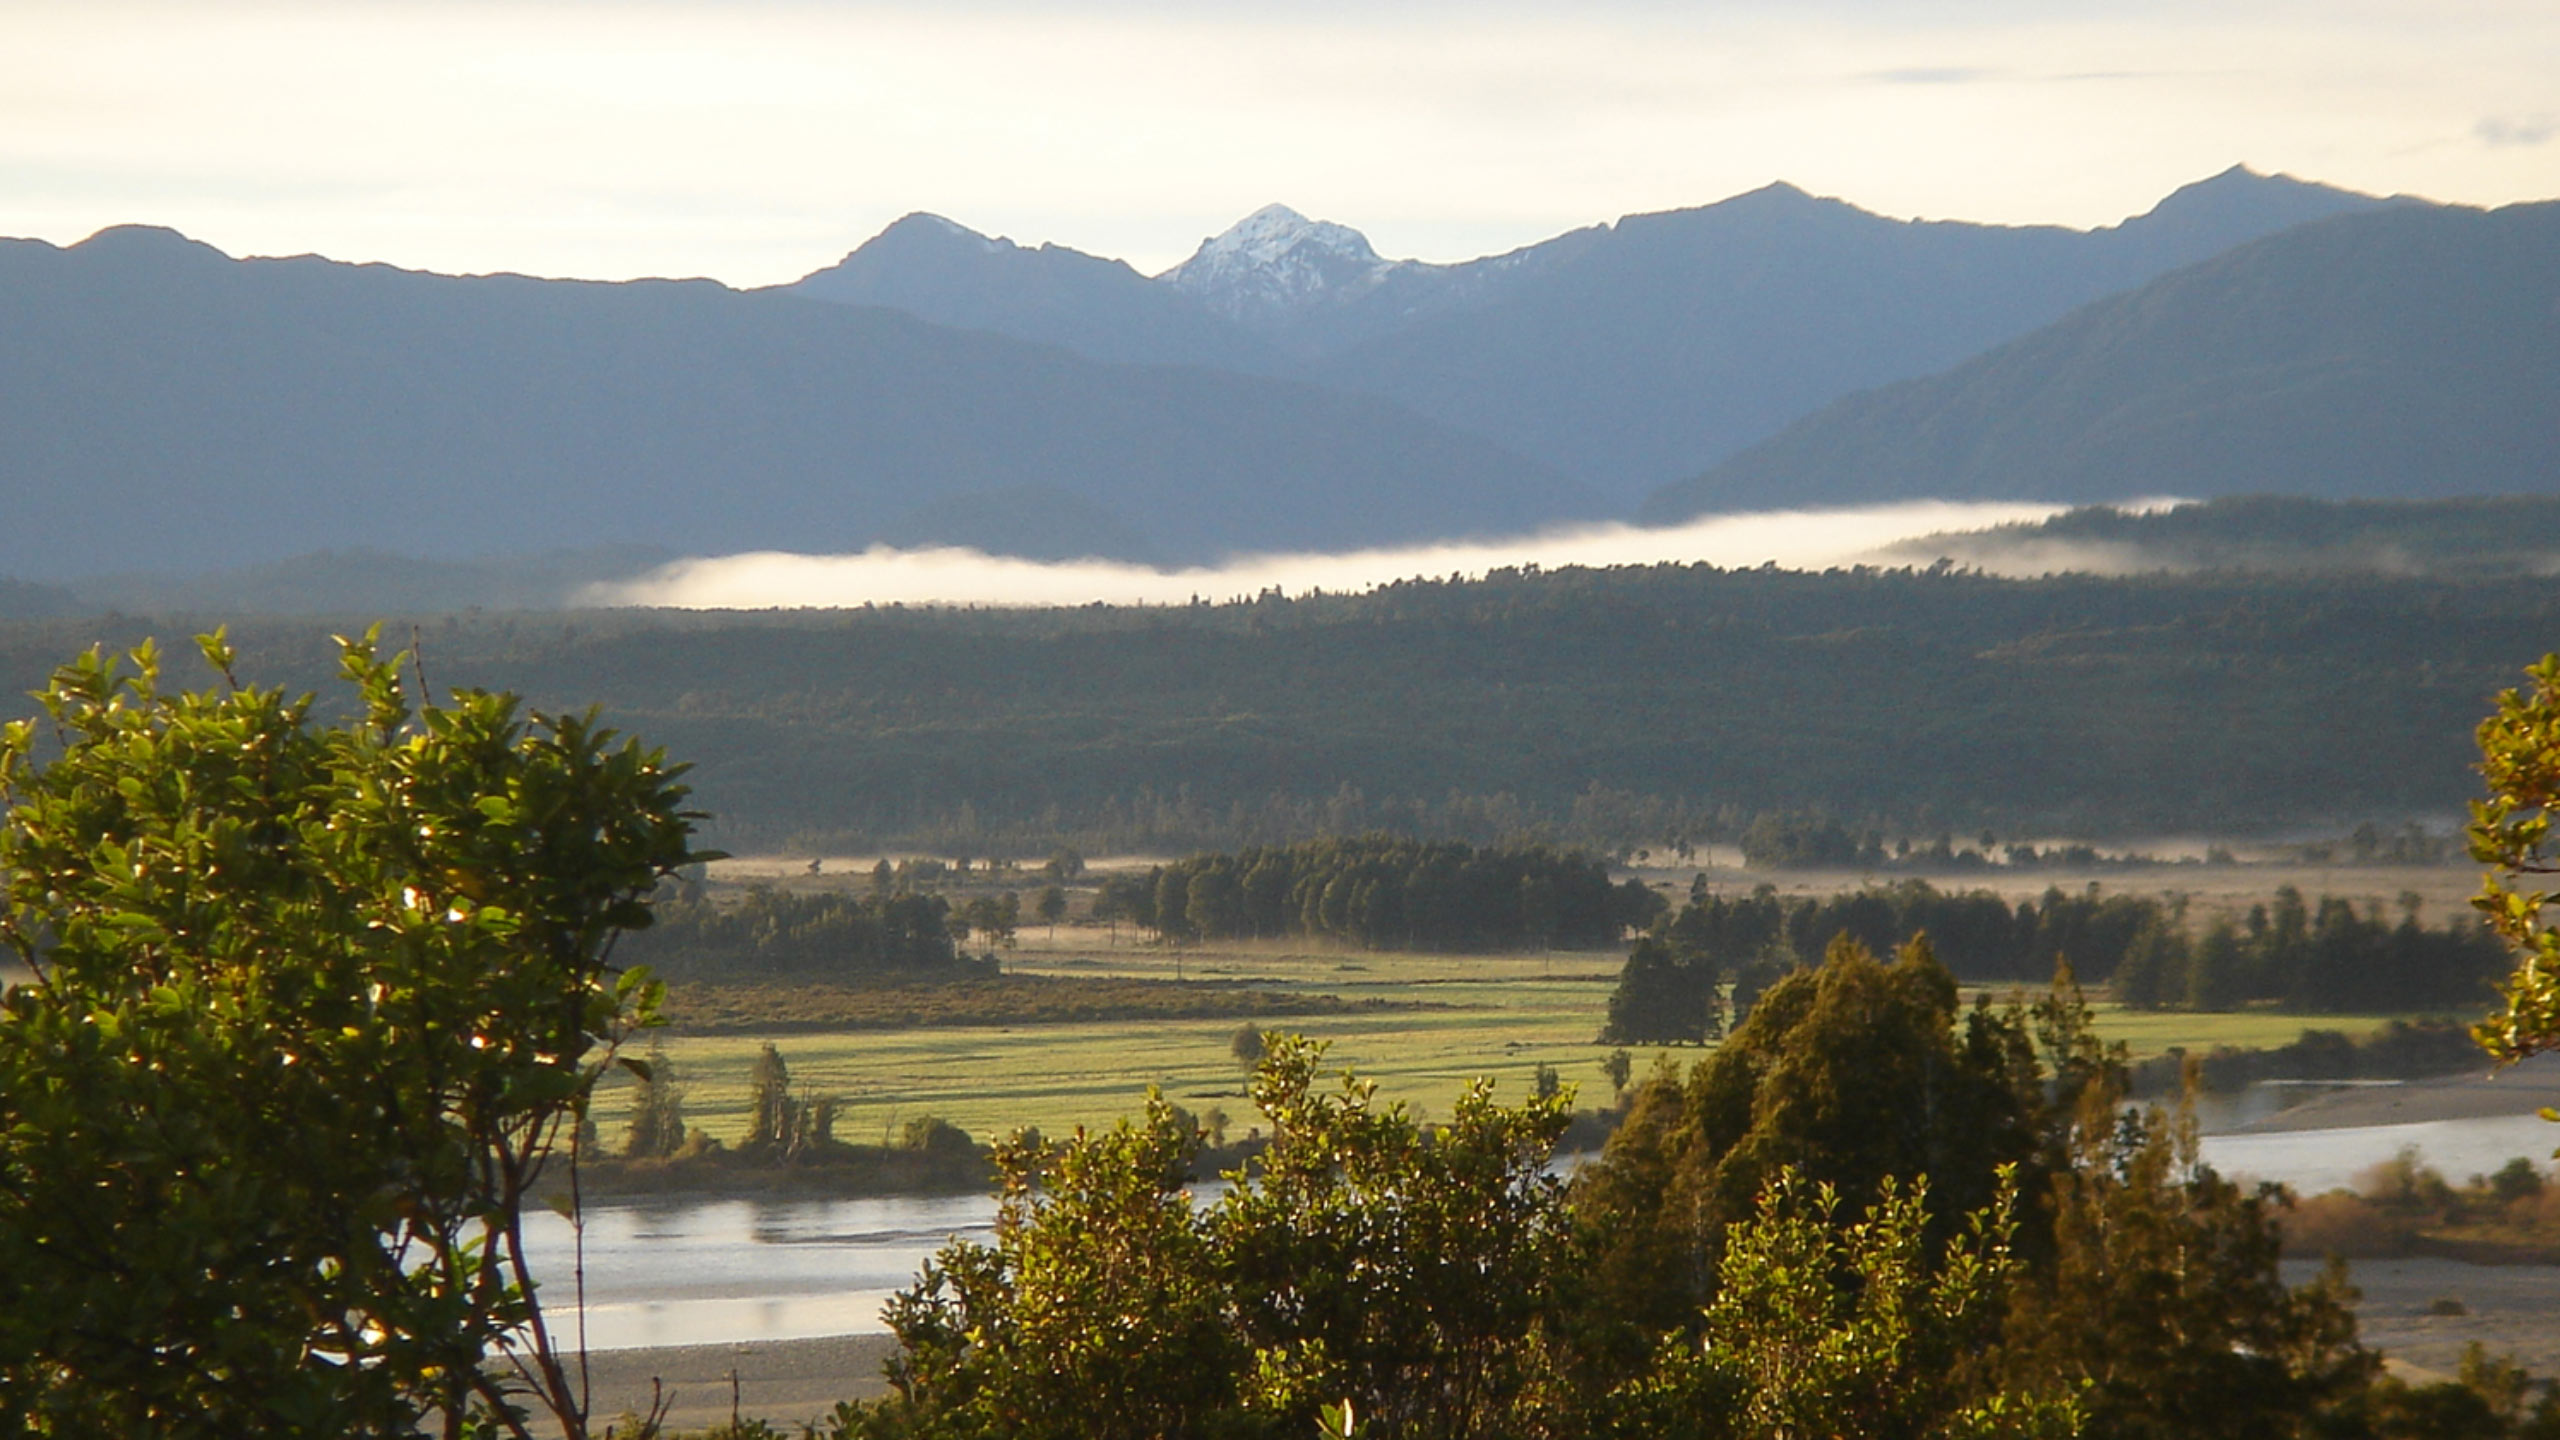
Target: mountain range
[[164, 407], [166, 410], [1627, 355]]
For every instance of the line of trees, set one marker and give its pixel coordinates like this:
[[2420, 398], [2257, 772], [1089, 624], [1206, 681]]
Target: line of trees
[[2075, 705], [899, 936], [1695, 973], [2329, 956], [1381, 890]]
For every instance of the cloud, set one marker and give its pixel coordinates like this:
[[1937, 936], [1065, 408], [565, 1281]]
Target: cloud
[[2500, 131], [1790, 539]]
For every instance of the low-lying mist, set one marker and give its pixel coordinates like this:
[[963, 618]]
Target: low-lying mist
[[1790, 539]]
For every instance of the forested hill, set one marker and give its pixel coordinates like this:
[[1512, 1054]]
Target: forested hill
[[1913, 698], [2270, 534], [2410, 351]]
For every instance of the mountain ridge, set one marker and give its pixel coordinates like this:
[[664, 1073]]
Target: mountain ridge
[[165, 407], [2410, 352], [1638, 351]]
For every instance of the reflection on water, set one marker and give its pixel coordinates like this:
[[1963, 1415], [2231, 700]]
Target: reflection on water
[[2312, 1161], [693, 1273]]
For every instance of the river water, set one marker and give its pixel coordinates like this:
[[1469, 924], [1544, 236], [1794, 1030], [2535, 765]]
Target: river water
[[695, 1273], [691, 1273]]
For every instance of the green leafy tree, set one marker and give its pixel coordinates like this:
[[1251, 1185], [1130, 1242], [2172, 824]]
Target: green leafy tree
[[1403, 1270], [770, 1122], [1823, 1326], [1247, 1045], [1856, 1075], [1094, 1313], [2511, 831], [1052, 907], [1407, 1269], [2163, 1306], [315, 1006], [781, 1125], [1664, 996], [657, 1109]]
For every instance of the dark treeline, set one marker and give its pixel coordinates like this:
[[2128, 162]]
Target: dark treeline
[[1711, 960], [1806, 840], [1386, 891], [1902, 702], [900, 937], [2331, 956]]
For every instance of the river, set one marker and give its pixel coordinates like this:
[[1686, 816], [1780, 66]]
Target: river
[[706, 1272]]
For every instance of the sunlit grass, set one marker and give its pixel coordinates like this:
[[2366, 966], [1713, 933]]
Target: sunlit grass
[[1505, 1015]]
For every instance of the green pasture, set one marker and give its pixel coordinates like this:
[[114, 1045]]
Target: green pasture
[[1492, 1015]]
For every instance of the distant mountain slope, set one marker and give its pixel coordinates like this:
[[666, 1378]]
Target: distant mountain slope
[[949, 274], [1670, 341], [2413, 353], [1627, 355], [370, 582], [165, 408]]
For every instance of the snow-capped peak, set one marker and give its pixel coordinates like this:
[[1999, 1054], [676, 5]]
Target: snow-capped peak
[[1275, 263], [1270, 233]]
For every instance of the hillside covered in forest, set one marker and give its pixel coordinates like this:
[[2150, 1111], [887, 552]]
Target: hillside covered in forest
[[1614, 707]]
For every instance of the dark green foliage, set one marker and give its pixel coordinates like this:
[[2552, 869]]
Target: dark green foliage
[[1986, 937], [1248, 1045], [1367, 1259], [2279, 534], [2328, 956], [1664, 997], [2333, 959], [1617, 1069], [1567, 706], [897, 938], [1807, 842], [315, 1005], [2162, 1306], [934, 1135], [1384, 891], [1850, 1074], [2148, 1292]]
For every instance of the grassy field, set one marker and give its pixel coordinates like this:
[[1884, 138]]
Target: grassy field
[[1495, 1015]]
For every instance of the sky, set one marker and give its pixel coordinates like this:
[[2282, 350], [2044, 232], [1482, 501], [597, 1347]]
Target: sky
[[756, 140]]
